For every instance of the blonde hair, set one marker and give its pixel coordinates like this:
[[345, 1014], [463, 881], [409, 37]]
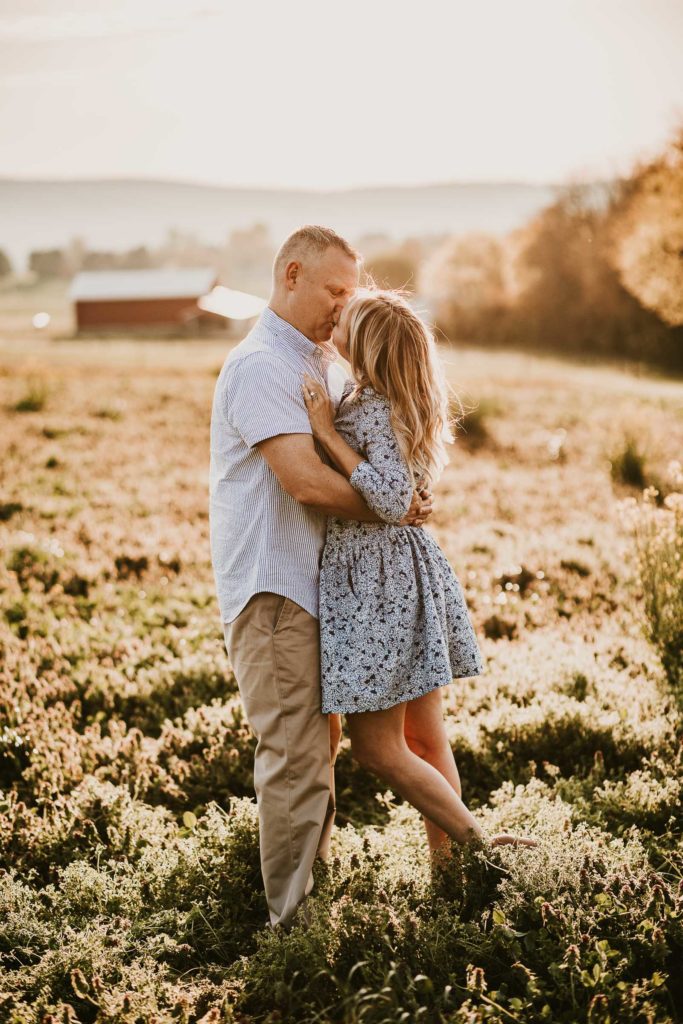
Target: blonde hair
[[311, 240], [392, 350]]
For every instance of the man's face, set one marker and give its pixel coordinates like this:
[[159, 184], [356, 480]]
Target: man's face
[[320, 291], [340, 335]]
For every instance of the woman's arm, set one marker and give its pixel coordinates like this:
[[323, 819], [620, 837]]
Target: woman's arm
[[382, 477], [341, 453], [321, 415]]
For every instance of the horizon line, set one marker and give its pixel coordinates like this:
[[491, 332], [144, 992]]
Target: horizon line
[[188, 183]]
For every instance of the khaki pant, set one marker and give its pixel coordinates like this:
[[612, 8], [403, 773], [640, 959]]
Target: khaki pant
[[274, 648]]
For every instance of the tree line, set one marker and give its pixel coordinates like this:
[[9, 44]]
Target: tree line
[[598, 271]]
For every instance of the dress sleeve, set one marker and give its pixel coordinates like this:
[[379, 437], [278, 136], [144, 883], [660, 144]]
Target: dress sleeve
[[382, 479]]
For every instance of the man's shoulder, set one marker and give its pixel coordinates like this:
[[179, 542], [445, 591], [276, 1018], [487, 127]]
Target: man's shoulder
[[256, 352], [256, 361]]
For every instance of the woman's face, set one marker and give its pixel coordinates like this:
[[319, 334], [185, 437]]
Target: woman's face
[[340, 336]]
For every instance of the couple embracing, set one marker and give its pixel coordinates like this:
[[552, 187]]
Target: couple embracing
[[334, 599]]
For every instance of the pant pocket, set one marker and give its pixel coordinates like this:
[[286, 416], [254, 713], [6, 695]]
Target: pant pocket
[[281, 612]]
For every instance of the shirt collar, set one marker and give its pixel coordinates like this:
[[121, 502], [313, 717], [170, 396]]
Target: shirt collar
[[295, 338]]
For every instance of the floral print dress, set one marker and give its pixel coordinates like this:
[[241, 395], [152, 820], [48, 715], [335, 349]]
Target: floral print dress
[[393, 619]]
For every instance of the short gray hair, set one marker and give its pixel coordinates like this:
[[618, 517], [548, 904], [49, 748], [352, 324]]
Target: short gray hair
[[310, 240]]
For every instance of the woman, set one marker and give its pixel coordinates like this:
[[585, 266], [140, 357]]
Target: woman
[[394, 625]]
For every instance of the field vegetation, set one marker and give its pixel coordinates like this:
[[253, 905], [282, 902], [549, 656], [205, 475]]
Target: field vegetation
[[130, 887]]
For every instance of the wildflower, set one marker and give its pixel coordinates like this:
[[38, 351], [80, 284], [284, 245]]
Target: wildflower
[[79, 983], [572, 956], [476, 978]]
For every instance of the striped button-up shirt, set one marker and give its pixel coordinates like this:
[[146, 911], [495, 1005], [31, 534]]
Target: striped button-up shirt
[[262, 539]]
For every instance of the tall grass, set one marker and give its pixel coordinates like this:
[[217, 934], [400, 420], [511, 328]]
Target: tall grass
[[627, 465], [658, 533], [130, 883], [34, 398]]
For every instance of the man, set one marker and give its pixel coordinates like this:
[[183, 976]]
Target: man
[[271, 488]]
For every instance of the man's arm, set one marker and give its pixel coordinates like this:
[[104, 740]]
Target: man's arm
[[265, 406], [381, 475], [303, 475]]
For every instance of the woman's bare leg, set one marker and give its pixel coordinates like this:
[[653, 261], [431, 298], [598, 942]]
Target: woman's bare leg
[[378, 743], [425, 734]]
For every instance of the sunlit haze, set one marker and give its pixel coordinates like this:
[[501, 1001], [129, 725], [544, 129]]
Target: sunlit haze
[[321, 95]]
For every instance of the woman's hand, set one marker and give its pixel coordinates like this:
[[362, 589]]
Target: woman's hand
[[420, 508], [319, 407]]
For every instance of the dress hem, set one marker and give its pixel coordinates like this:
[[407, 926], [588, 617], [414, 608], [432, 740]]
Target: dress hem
[[385, 707]]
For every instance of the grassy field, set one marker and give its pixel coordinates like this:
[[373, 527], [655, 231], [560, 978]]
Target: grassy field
[[129, 882]]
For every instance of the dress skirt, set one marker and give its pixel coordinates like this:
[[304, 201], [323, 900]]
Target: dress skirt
[[393, 618]]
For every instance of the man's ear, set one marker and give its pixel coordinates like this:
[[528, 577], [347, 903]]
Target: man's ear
[[292, 271]]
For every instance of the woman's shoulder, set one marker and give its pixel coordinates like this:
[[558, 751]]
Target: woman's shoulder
[[365, 395], [372, 415], [370, 411], [375, 406]]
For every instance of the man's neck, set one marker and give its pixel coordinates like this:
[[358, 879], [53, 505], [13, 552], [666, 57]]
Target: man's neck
[[282, 313]]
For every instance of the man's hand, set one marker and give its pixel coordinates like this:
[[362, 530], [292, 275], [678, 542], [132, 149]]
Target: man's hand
[[420, 508]]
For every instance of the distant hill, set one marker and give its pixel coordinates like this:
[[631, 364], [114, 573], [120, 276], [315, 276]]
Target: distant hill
[[119, 214]]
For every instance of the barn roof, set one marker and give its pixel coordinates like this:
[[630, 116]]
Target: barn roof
[[105, 285], [231, 303]]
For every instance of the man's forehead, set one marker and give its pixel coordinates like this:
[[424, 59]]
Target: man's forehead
[[339, 269]]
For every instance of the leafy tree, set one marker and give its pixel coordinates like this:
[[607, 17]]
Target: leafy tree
[[48, 263], [93, 260], [647, 233], [138, 258], [393, 269], [5, 264], [465, 282]]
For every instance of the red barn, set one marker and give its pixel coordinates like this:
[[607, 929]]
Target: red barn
[[110, 299]]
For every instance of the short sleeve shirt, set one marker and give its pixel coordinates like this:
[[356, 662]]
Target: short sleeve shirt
[[262, 539]]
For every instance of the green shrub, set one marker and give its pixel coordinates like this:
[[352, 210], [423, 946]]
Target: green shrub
[[472, 424], [556, 933], [658, 533], [150, 693], [34, 398], [9, 509], [563, 731], [109, 412], [37, 561], [628, 465]]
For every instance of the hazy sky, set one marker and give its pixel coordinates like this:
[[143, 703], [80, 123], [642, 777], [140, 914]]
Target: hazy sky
[[308, 93]]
